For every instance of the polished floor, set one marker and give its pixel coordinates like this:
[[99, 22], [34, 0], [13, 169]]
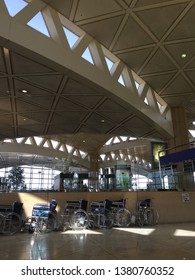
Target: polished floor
[[162, 242]]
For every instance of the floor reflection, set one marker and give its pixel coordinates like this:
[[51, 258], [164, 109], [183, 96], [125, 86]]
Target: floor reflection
[[162, 242]]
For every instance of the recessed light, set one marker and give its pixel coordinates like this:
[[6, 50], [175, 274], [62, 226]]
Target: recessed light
[[24, 91], [193, 123], [102, 120], [183, 55]]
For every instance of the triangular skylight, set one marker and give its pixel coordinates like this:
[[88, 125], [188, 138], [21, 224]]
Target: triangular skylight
[[87, 56], [62, 148], [83, 154], [159, 105], [137, 84], [109, 141], [109, 63], [192, 132], [28, 141], [75, 153], [103, 156], [38, 23], [19, 139], [121, 80], [38, 140], [146, 100], [69, 148], [71, 37], [16, 7], [116, 140], [46, 144], [124, 138], [112, 155], [54, 143]]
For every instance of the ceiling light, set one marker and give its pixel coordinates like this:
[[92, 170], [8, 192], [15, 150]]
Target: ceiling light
[[193, 123], [102, 121], [183, 55], [24, 91]]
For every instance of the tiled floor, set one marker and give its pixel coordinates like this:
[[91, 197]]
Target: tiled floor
[[162, 242]]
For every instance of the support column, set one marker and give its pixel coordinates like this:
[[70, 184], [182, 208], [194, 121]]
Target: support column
[[179, 143], [180, 130], [94, 170]]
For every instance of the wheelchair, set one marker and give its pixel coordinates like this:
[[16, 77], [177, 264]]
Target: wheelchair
[[75, 215], [146, 214], [99, 215], [11, 218], [43, 219]]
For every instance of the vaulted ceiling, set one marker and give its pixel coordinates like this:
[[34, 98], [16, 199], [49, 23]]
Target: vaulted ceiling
[[149, 36]]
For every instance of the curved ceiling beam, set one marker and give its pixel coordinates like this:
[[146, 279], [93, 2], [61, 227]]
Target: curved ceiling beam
[[74, 155], [55, 52], [53, 149]]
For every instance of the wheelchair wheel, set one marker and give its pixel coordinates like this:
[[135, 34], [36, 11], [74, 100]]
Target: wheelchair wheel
[[10, 224], [92, 221], [137, 219], [150, 216], [46, 222], [2, 222], [123, 217], [106, 220], [79, 220]]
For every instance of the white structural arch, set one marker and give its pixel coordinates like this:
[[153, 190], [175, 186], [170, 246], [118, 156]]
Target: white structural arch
[[51, 149], [118, 81]]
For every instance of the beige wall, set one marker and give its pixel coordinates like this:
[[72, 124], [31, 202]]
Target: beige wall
[[169, 204]]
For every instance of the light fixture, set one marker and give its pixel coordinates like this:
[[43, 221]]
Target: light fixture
[[183, 55], [102, 121], [24, 91]]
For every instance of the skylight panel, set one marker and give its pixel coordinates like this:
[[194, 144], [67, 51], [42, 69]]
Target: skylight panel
[[124, 138], [61, 148], [69, 148], [38, 23], [54, 143], [112, 155], [192, 132], [121, 80], [38, 140], [159, 105], [109, 63], [28, 141], [109, 141], [75, 153], [146, 101], [19, 139], [116, 140], [16, 7], [103, 156], [87, 56], [137, 84], [71, 37], [46, 144], [7, 140], [83, 154]]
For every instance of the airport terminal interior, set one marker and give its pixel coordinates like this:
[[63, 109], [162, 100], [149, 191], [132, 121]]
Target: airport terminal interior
[[97, 127]]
